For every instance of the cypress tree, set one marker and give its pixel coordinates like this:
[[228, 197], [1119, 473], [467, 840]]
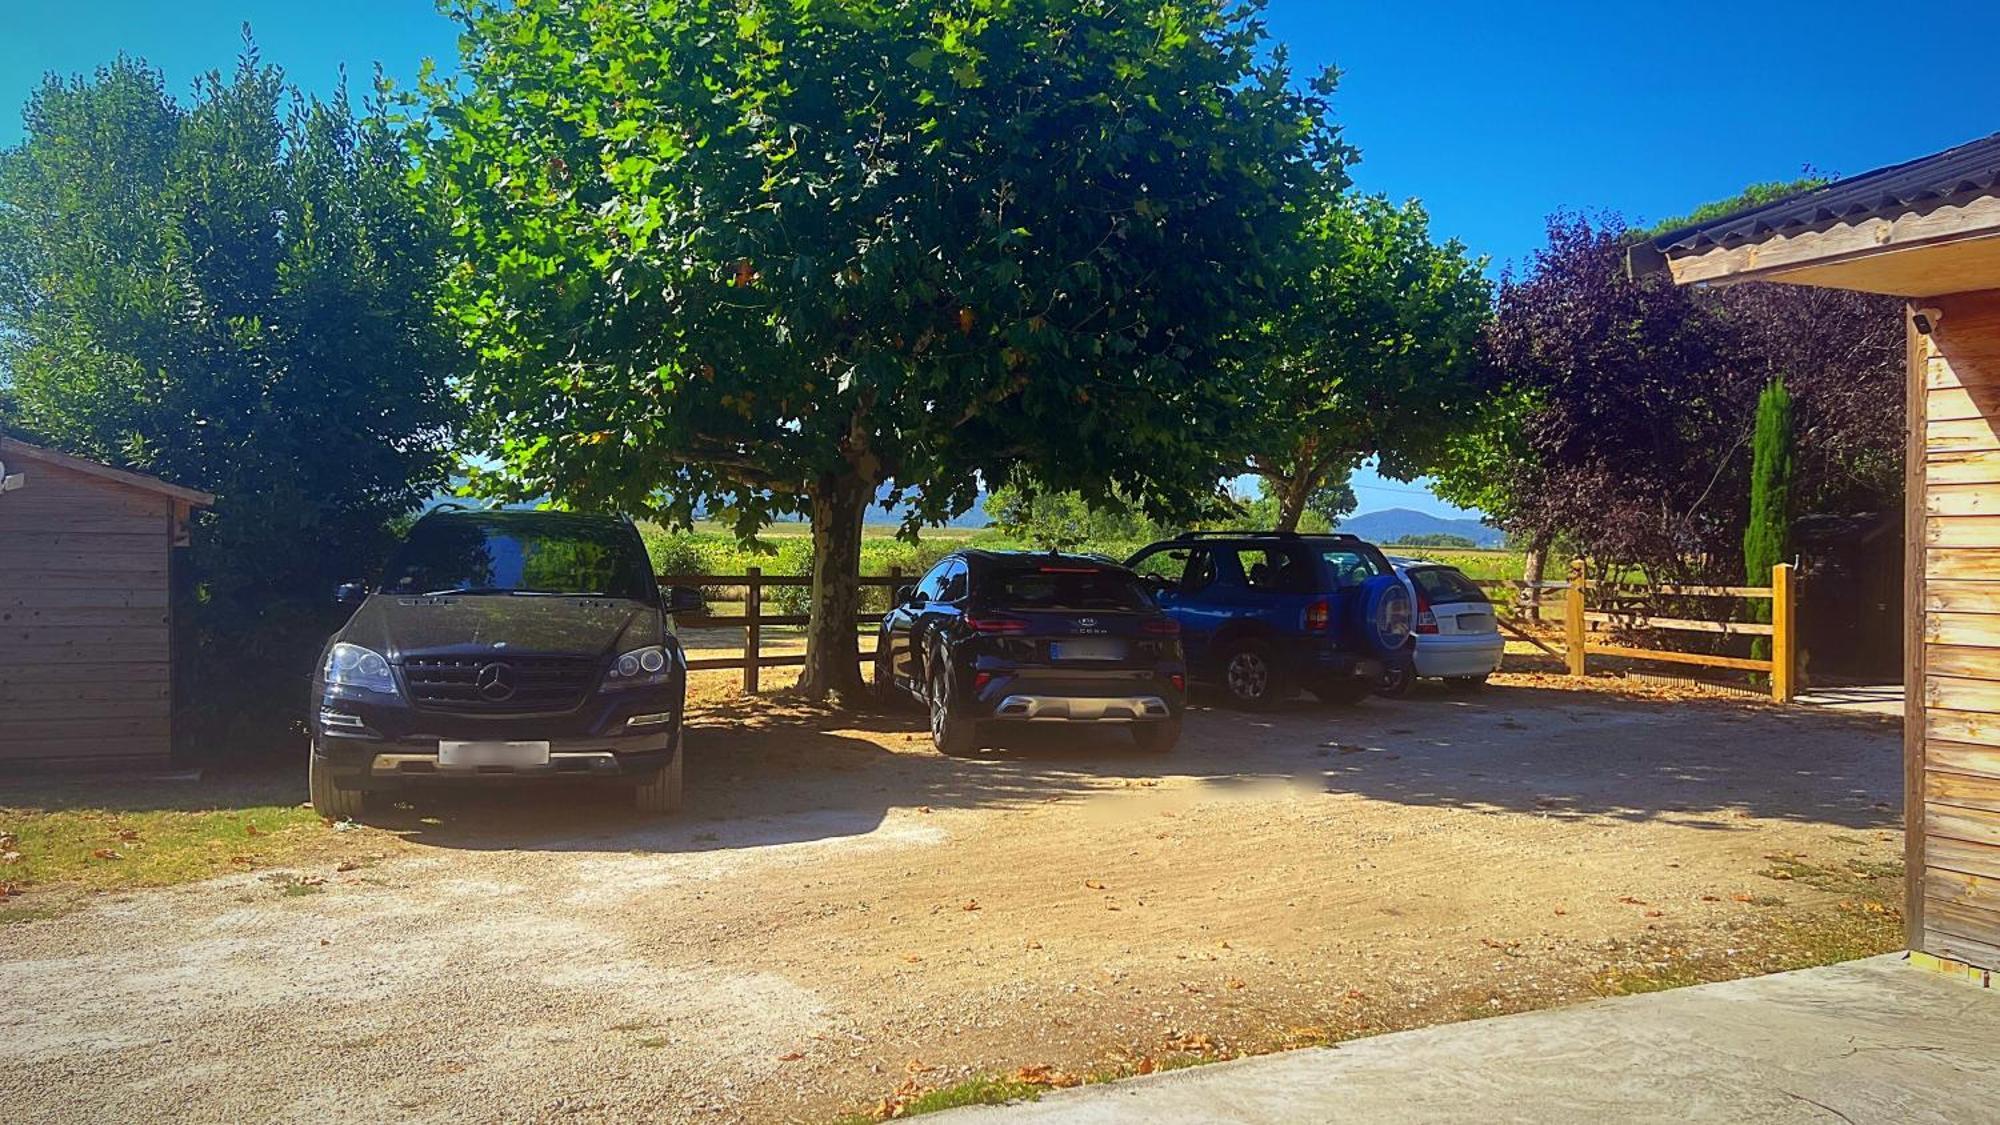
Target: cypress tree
[[1767, 537]]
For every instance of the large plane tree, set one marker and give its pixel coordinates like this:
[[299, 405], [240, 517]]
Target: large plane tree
[[775, 256]]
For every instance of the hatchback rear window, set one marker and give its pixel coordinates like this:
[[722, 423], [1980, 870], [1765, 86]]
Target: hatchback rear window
[[1442, 585], [1064, 588]]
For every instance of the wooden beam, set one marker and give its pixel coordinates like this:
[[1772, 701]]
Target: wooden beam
[[1916, 723]]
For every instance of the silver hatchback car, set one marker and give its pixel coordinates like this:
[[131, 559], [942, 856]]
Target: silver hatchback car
[[1458, 636]]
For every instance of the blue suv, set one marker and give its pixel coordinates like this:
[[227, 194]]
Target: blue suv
[[1265, 613]]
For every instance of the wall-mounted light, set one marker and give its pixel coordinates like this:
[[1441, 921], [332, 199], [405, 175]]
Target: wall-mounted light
[[11, 482]]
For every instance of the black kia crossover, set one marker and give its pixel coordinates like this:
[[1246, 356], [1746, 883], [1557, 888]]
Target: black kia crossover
[[503, 646], [989, 639]]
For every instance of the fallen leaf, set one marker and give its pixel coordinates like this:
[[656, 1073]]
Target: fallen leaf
[[128, 834], [911, 958], [346, 865], [1741, 897], [1630, 901], [1093, 884], [1656, 914], [10, 857], [971, 904], [1710, 898], [105, 853], [252, 830], [1034, 945], [1190, 1041], [1234, 982], [1561, 910], [1042, 1074], [791, 1056], [8, 841], [1145, 1066], [923, 808]]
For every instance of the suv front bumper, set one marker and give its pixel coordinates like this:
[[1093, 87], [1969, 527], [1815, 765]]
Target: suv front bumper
[[380, 742]]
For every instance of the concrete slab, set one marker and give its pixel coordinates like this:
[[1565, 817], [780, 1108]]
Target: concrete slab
[[1873, 699], [1868, 1041]]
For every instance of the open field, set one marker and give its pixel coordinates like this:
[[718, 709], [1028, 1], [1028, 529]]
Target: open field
[[846, 921]]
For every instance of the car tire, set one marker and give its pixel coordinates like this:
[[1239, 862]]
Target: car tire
[[1252, 677], [1396, 681], [952, 733], [662, 793], [1466, 683], [1157, 737], [328, 799]]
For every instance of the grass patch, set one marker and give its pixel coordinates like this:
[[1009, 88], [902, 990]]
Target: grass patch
[[985, 1089], [67, 837]]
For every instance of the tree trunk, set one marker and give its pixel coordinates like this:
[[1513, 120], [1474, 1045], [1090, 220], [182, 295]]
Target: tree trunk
[[1292, 497], [833, 658], [1532, 568]]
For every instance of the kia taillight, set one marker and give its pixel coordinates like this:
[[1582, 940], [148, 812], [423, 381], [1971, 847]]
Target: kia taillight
[[980, 680], [1319, 616], [997, 626], [1179, 682], [1427, 622], [1160, 627]]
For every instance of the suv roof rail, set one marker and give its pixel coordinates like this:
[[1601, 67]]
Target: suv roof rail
[[1265, 535]]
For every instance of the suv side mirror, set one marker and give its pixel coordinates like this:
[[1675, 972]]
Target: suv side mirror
[[685, 599], [350, 593], [905, 595]]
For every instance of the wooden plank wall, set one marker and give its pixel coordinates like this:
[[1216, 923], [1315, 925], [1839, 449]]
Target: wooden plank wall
[[84, 629], [1955, 802]]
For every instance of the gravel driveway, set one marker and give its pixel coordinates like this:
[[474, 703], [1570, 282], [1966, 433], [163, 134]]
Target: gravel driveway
[[844, 912]]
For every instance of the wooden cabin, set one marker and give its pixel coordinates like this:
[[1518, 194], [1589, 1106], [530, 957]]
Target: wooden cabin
[[86, 609], [1927, 231]]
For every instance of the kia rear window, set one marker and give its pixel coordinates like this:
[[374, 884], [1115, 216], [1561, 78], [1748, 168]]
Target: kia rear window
[[1442, 585], [457, 555], [1059, 588]]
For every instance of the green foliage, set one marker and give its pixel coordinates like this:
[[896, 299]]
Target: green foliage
[[1377, 355], [728, 253], [1756, 195], [1767, 535], [1063, 521], [233, 294], [1443, 539]]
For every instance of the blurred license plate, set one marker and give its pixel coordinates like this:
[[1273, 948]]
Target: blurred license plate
[[493, 753], [1091, 649], [1475, 623]]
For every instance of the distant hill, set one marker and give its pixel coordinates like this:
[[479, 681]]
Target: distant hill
[[1395, 524]]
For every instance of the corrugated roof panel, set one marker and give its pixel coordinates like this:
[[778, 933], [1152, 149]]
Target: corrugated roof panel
[[1969, 170]]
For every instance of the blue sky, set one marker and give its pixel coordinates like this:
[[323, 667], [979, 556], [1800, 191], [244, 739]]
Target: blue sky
[[1495, 114]]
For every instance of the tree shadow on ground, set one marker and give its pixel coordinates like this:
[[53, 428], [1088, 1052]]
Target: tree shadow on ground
[[769, 771]]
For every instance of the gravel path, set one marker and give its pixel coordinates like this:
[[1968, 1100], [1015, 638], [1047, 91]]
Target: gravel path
[[843, 912]]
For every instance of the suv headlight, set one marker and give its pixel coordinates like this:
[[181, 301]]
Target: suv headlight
[[642, 667], [351, 666]]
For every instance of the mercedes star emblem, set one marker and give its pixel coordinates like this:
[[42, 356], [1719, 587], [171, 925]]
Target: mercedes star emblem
[[496, 683]]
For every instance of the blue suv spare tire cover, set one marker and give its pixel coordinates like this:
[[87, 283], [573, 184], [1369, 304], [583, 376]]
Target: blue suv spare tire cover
[[1385, 614]]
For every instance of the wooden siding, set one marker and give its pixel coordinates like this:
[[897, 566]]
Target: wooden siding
[[1954, 797], [84, 619]]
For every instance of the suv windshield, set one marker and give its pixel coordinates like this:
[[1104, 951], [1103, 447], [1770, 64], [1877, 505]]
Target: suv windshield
[[520, 555], [1055, 587]]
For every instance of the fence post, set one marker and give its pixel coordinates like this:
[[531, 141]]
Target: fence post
[[1574, 634], [753, 625], [1784, 634]]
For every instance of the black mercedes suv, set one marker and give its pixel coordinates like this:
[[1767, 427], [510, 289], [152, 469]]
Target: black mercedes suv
[[992, 638], [503, 646]]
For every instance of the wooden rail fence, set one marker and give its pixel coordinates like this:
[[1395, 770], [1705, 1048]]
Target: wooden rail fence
[[1628, 607], [1620, 606], [753, 619]]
